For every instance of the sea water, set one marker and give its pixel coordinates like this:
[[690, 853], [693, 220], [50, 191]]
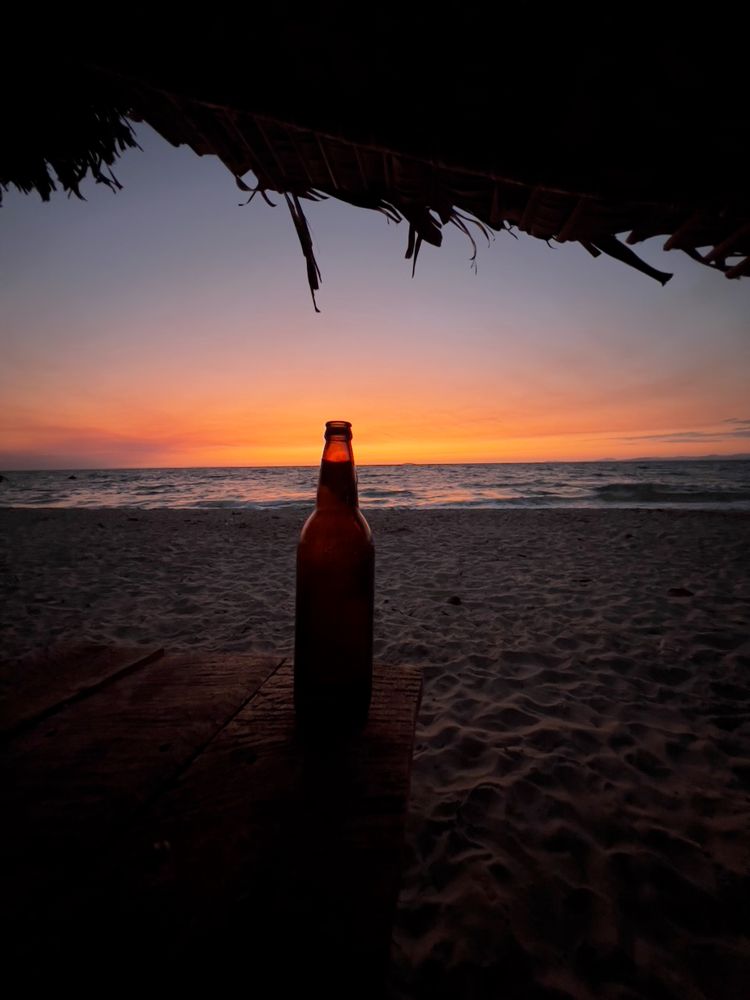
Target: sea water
[[696, 484]]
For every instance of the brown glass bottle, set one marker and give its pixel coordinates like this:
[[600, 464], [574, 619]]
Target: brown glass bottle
[[335, 592]]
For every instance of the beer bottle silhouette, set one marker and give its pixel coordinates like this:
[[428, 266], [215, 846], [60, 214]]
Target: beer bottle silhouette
[[334, 603]]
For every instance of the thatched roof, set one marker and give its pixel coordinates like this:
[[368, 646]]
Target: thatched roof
[[552, 136]]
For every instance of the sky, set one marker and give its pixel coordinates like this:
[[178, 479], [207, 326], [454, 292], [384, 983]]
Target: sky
[[165, 325]]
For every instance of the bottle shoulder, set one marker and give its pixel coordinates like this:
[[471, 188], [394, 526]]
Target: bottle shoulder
[[345, 522]]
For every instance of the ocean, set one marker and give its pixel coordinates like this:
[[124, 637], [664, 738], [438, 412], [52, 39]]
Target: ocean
[[706, 484]]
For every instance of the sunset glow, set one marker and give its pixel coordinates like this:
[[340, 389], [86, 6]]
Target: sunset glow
[[165, 326]]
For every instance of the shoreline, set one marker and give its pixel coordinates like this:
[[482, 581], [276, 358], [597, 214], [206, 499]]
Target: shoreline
[[579, 819]]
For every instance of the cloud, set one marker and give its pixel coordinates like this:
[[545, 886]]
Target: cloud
[[681, 437], [738, 422]]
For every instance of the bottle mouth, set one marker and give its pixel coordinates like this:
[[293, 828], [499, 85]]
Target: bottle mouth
[[338, 428]]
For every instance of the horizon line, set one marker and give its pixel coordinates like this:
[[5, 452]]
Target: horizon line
[[735, 456]]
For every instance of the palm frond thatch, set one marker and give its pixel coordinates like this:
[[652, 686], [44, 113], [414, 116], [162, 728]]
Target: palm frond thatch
[[320, 112]]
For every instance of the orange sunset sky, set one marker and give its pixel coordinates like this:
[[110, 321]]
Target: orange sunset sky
[[166, 326]]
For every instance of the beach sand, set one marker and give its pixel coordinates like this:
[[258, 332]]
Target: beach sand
[[580, 813]]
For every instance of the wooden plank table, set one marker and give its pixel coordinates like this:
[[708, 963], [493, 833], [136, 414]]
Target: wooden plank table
[[163, 821]]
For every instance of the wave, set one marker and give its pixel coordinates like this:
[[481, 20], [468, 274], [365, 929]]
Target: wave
[[385, 492], [238, 504], [662, 493], [157, 490]]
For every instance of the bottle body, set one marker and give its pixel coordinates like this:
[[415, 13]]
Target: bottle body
[[334, 600]]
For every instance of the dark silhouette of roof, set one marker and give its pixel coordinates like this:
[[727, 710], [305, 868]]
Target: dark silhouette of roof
[[568, 131]]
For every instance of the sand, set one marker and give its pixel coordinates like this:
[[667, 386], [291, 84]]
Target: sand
[[580, 810]]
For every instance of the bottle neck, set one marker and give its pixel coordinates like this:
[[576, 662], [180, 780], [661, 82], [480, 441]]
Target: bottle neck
[[337, 486]]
